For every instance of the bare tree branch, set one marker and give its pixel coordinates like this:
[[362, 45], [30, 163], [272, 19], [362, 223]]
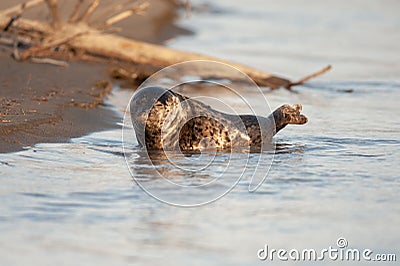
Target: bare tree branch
[[75, 11], [140, 10], [53, 7], [111, 10], [49, 61], [91, 8], [51, 44], [307, 78], [19, 7]]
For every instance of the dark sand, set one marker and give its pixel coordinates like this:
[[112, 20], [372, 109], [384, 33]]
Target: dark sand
[[45, 103]]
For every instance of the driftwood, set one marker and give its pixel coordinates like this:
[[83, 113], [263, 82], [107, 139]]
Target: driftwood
[[77, 37]]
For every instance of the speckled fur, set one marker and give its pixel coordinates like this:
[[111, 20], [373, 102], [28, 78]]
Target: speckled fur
[[164, 119]]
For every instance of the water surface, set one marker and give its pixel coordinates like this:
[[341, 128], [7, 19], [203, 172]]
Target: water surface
[[337, 176]]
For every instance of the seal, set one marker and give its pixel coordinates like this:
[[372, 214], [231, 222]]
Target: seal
[[166, 120]]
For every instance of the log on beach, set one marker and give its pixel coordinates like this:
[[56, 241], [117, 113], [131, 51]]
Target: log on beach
[[80, 35]]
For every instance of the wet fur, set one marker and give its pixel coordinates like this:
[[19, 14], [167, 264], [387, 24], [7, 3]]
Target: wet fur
[[164, 119]]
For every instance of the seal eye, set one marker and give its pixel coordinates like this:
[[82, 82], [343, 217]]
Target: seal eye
[[158, 104], [165, 97]]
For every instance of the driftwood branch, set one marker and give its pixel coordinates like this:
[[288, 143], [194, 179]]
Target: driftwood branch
[[53, 7], [49, 61], [139, 10], [91, 8], [18, 8], [91, 41], [55, 43], [75, 11], [127, 50], [112, 10], [311, 76]]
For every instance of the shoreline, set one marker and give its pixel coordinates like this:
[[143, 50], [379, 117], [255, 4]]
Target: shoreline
[[45, 103]]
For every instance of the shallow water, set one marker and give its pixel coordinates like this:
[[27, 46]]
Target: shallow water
[[337, 176]]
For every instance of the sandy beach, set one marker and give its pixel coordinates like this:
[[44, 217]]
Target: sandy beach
[[46, 103]]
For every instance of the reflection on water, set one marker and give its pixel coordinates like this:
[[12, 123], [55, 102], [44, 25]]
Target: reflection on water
[[198, 179], [337, 176], [288, 148]]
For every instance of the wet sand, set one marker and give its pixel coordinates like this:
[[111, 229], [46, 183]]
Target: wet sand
[[45, 103]]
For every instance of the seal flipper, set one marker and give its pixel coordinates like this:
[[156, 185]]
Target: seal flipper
[[286, 115]]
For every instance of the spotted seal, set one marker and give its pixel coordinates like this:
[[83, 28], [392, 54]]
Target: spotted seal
[[166, 120]]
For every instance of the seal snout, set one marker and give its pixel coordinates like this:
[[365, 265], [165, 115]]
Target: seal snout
[[291, 115]]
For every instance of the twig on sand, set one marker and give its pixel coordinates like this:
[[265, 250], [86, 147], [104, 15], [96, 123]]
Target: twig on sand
[[49, 61], [15, 50]]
